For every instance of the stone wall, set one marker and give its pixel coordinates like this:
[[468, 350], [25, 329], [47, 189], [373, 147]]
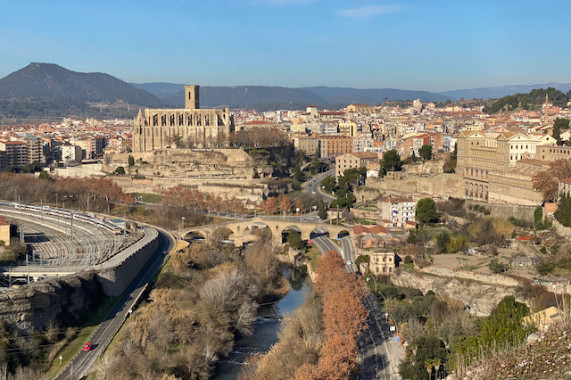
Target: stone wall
[[116, 279], [443, 185], [561, 229], [505, 211]]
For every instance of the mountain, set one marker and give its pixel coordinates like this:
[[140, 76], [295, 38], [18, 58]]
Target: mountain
[[51, 80], [350, 95], [161, 90], [501, 91], [251, 96]]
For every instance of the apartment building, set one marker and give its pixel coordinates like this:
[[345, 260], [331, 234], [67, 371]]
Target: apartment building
[[333, 146], [35, 149], [398, 210], [15, 152], [353, 160]]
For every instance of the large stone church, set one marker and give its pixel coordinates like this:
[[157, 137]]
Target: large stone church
[[195, 127]]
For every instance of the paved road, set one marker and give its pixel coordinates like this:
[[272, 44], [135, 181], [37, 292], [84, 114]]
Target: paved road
[[83, 362], [314, 186], [379, 353]]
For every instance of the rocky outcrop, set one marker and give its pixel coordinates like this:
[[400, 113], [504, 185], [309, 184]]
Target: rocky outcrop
[[66, 300], [185, 163], [480, 298]]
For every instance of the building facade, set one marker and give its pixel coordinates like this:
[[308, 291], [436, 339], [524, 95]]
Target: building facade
[[564, 187], [481, 153], [160, 128], [353, 160], [15, 153], [381, 262], [398, 210]]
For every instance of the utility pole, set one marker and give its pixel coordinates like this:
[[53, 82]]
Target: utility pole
[[125, 226]]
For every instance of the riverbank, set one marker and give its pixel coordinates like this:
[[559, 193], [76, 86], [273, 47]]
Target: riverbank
[[269, 323]]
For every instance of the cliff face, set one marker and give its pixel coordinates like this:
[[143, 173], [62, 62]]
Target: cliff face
[[479, 297], [65, 300]]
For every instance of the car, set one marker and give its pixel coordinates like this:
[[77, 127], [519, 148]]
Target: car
[[87, 346], [349, 263]]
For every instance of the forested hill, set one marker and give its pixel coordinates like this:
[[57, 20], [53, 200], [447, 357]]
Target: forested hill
[[530, 101], [48, 90], [47, 79]]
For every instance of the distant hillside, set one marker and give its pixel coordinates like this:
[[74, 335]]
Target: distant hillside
[[46, 79], [373, 96], [49, 90], [531, 101], [501, 91], [161, 90], [281, 97]]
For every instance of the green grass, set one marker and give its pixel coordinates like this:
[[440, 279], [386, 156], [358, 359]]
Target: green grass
[[149, 198], [313, 253], [365, 221], [74, 346]]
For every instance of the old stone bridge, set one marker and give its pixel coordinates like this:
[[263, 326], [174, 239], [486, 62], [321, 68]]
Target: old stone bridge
[[239, 230]]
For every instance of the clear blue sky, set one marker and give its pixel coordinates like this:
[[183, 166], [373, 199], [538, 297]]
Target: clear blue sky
[[416, 44]]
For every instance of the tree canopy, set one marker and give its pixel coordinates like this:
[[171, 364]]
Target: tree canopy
[[426, 211], [425, 152], [391, 162]]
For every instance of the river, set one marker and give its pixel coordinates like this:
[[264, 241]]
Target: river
[[267, 327]]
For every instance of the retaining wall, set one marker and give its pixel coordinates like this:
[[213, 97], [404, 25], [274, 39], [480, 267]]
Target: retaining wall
[[118, 276]]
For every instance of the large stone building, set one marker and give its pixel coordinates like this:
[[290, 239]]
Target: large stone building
[[482, 153], [160, 128]]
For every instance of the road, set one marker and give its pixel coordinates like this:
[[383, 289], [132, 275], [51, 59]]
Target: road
[[83, 362], [314, 186], [379, 353]]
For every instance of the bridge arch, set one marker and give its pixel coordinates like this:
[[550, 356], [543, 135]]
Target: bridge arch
[[289, 228]]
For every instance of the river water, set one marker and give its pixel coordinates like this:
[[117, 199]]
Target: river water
[[266, 329]]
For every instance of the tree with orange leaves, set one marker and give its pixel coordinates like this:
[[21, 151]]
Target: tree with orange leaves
[[271, 206], [344, 317], [285, 204], [547, 180]]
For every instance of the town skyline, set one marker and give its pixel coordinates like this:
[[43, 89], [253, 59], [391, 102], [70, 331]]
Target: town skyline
[[367, 44]]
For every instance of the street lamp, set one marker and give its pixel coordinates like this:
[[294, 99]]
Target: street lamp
[[384, 300]]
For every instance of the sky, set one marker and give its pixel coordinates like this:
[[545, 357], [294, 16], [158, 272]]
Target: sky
[[426, 45]]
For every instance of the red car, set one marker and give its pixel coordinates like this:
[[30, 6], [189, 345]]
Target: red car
[[87, 346]]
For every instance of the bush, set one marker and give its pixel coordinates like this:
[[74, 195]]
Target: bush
[[545, 268], [496, 267]]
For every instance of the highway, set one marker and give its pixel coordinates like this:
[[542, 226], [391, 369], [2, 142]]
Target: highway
[[83, 361], [379, 354]]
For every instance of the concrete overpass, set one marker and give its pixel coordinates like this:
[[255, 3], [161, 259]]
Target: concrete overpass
[[236, 230]]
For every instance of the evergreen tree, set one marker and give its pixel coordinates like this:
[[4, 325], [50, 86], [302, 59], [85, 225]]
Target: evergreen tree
[[426, 211]]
